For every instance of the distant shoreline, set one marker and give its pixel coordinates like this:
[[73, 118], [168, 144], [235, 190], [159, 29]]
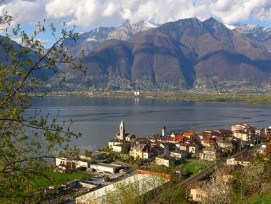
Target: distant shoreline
[[184, 96]]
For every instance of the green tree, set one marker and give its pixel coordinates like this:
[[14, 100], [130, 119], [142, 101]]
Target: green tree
[[27, 143], [248, 180], [88, 153]]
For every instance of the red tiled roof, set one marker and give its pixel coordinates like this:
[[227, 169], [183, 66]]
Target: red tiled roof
[[186, 134], [170, 139], [180, 137], [208, 141]]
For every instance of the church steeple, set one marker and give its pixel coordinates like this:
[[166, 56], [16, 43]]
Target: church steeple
[[122, 131], [164, 131]]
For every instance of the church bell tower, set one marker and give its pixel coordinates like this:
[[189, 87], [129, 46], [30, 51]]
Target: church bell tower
[[164, 131], [122, 131]]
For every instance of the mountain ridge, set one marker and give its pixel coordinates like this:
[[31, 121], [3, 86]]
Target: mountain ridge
[[181, 55], [187, 54], [89, 41]]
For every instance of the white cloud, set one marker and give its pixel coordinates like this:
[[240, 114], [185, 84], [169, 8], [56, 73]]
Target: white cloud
[[127, 13], [18, 40], [86, 13], [234, 11], [25, 12], [43, 41], [110, 10], [60, 8]]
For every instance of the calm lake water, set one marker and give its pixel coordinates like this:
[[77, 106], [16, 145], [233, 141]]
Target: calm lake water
[[98, 118]]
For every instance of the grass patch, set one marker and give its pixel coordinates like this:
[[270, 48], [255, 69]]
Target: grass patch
[[188, 167], [193, 166], [261, 198], [248, 98], [57, 179], [188, 96]]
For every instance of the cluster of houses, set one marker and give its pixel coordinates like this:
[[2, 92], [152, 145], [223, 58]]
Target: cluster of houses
[[207, 145], [168, 150]]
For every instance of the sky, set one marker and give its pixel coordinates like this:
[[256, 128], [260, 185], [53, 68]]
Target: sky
[[88, 14]]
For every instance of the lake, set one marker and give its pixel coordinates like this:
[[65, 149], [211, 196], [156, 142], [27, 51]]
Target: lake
[[98, 119]]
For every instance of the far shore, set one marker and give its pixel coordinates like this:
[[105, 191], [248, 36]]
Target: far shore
[[185, 96]]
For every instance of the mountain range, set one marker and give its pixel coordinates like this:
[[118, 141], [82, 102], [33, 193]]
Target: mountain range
[[258, 33], [88, 41], [188, 54]]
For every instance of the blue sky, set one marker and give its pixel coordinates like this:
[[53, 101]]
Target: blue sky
[[88, 14]]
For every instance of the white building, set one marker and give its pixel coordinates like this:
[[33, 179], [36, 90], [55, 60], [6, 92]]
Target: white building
[[209, 154], [102, 167], [114, 142], [179, 155], [65, 164], [233, 162], [117, 148], [245, 132], [136, 93], [193, 148], [164, 161]]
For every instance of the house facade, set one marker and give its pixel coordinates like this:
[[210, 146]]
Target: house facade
[[209, 154], [179, 155], [140, 151], [164, 161], [64, 164]]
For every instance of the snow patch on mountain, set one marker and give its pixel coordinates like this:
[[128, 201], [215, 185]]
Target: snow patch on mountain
[[125, 31], [88, 41], [231, 27], [91, 40]]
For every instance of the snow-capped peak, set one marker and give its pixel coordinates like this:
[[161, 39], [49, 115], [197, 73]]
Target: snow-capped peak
[[251, 26], [91, 40], [267, 29], [248, 27], [88, 41], [128, 29], [141, 25], [231, 27], [150, 25]]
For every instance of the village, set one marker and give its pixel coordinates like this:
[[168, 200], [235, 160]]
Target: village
[[115, 164]]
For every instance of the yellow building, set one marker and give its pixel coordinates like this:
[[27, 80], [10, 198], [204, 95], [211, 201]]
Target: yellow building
[[140, 151]]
